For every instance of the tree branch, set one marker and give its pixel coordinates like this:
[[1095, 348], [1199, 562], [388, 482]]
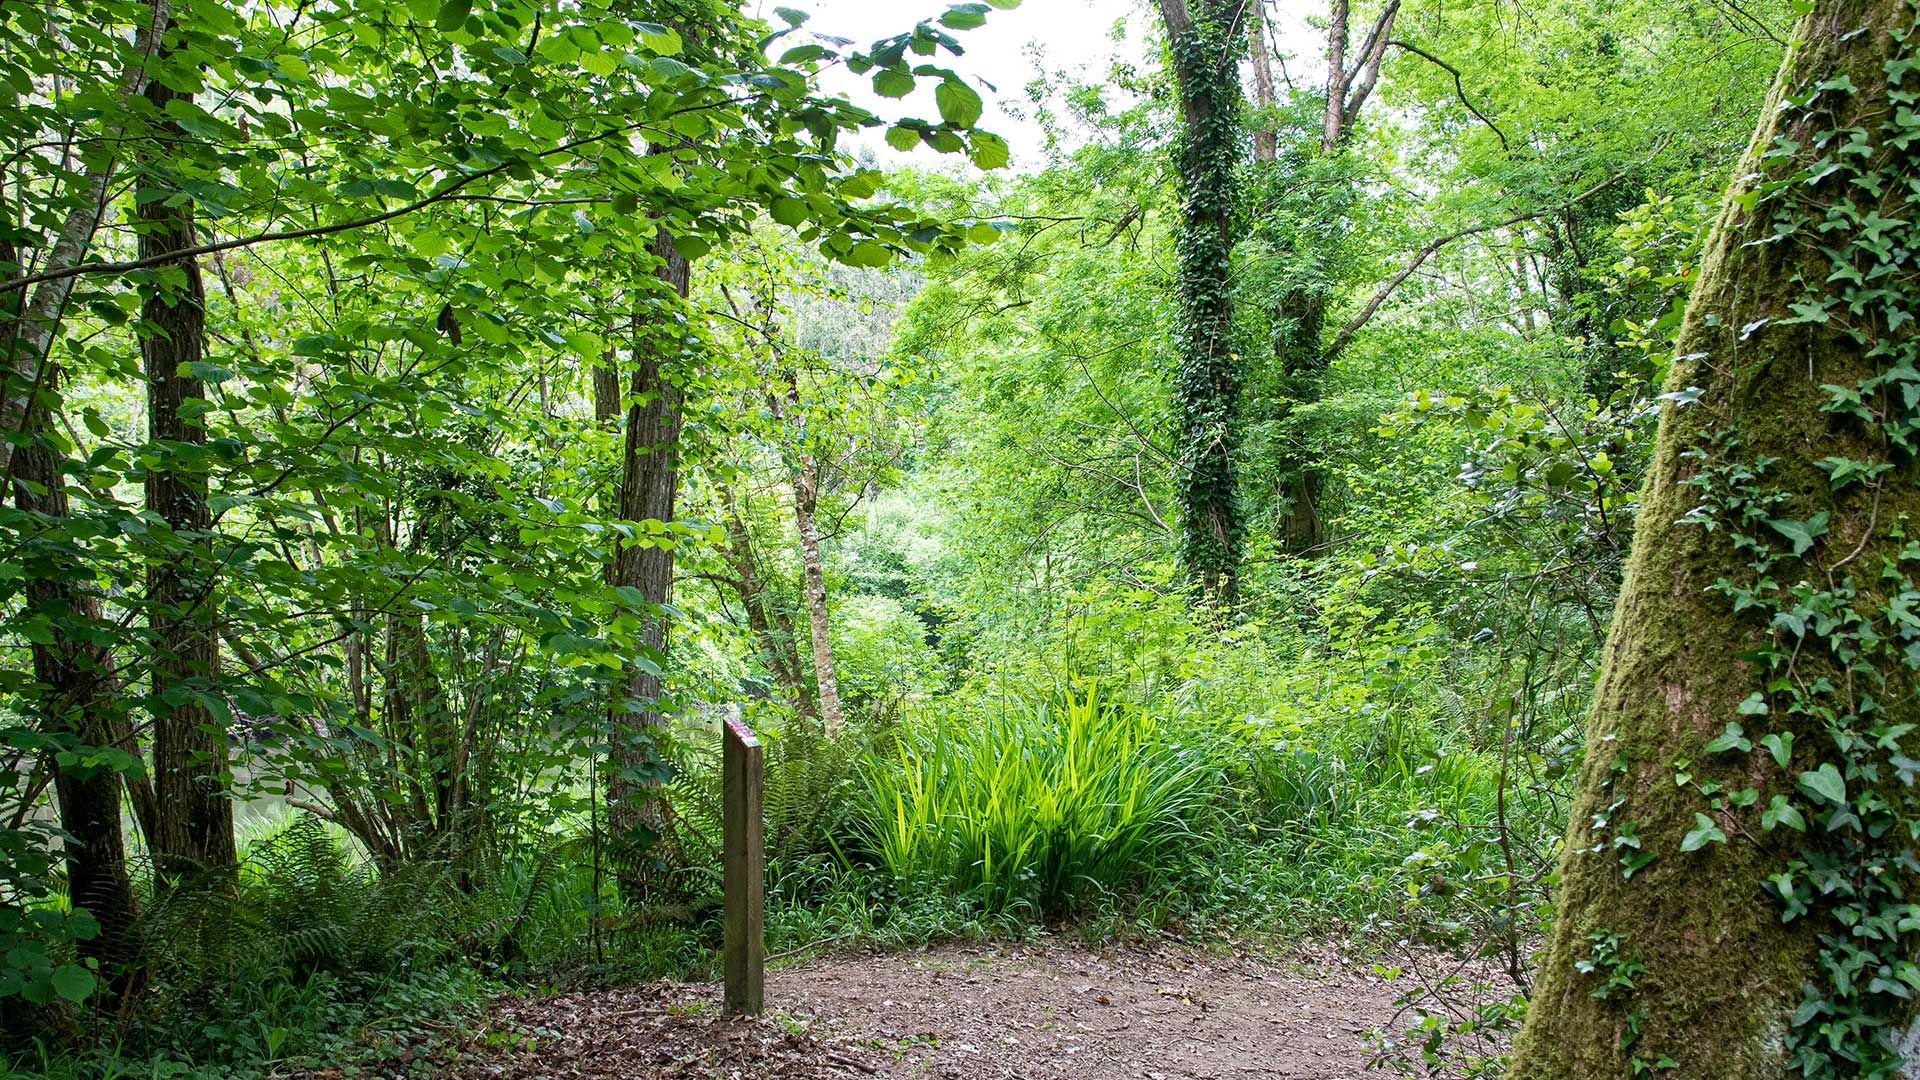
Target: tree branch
[[1434, 245], [1459, 87]]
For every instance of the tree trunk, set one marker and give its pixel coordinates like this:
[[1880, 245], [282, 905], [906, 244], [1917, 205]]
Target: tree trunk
[[30, 335], [771, 628], [1300, 317], [806, 497], [74, 689], [649, 486], [1764, 591], [1205, 42], [194, 823], [1266, 141]]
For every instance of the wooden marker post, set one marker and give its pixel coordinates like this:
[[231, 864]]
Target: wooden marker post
[[743, 860]]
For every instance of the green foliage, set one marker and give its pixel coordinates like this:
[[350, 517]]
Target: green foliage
[[1049, 807]]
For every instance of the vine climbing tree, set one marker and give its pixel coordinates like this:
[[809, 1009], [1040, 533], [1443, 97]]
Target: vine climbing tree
[[1734, 888], [1206, 41]]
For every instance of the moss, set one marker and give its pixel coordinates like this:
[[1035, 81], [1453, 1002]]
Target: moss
[[1722, 971]]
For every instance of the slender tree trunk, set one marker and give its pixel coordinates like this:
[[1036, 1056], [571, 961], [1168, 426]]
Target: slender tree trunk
[[194, 824], [1206, 45], [30, 336], [1266, 141], [770, 627], [1333, 128], [1299, 319], [74, 686], [75, 697], [806, 497], [1810, 645], [649, 488]]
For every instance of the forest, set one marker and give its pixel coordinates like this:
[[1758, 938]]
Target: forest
[[1337, 537]]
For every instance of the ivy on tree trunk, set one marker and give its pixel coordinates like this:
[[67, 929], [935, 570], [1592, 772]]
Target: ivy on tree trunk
[[1733, 890], [1207, 41]]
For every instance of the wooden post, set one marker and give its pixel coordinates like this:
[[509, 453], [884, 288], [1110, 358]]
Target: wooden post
[[743, 865]]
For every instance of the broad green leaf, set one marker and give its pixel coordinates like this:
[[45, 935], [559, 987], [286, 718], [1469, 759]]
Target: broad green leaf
[[959, 103], [790, 212], [892, 83], [1782, 812], [1827, 783], [73, 982]]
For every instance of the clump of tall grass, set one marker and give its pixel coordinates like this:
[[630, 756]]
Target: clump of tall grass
[[1049, 805]]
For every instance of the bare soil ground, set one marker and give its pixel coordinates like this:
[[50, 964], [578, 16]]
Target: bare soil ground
[[1047, 1011]]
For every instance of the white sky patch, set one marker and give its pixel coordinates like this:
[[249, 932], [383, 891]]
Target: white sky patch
[[1013, 48]]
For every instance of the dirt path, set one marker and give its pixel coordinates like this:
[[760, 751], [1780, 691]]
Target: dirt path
[[1048, 1011]]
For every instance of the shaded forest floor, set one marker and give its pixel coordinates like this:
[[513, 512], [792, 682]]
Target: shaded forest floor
[[1046, 1010]]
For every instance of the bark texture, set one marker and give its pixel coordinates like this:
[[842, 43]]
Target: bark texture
[[806, 500], [1723, 974], [74, 692], [649, 489], [193, 828]]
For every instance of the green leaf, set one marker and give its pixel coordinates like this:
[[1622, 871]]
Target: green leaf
[[1781, 812], [1802, 533], [691, 247], [1734, 738], [1780, 745], [453, 14], [790, 212], [73, 982], [1827, 783], [902, 138], [892, 83], [1755, 704], [989, 150], [867, 253], [964, 16], [959, 103], [1704, 832]]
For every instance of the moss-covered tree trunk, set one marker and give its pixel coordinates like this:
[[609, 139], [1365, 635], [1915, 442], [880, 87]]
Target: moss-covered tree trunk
[[1771, 587]]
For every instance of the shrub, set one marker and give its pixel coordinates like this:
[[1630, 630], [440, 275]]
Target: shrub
[[1050, 805]]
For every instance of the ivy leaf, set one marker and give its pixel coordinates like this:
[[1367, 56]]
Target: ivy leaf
[[1781, 812], [1704, 832], [1780, 745], [1802, 533], [1754, 705], [1734, 738], [1632, 862], [1827, 783]]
